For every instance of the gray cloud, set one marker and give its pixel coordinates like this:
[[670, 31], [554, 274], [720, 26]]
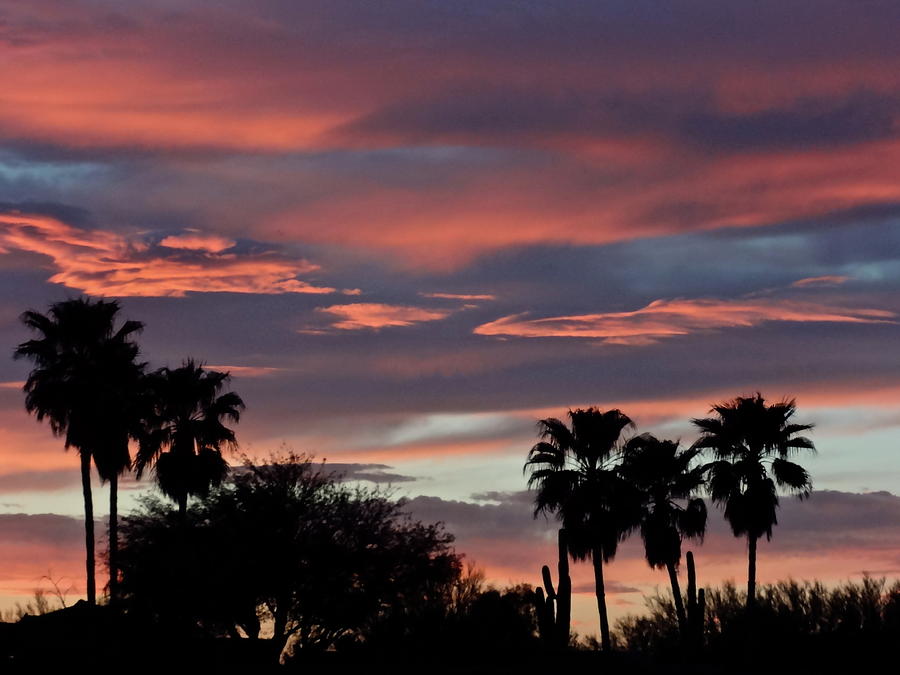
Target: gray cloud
[[611, 587], [39, 481], [373, 473], [829, 521], [43, 529]]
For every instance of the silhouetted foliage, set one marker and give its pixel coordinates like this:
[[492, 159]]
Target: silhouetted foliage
[[793, 624], [183, 435], [667, 479], [467, 613], [576, 478], [87, 383], [319, 562], [751, 443]]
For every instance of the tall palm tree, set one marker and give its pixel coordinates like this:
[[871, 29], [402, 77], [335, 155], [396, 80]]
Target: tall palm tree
[[85, 382], [667, 480], [574, 472], [751, 443], [185, 433]]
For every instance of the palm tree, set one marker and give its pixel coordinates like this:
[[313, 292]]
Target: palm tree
[[85, 382], [185, 433], [574, 472], [751, 443], [667, 480]]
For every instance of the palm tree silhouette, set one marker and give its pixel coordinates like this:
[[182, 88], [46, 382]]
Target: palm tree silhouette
[[751, 443], [85, 382], [667, 480], [575, 475], [185, 433]]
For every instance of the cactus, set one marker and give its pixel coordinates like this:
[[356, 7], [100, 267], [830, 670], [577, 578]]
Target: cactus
[[544, 606], [554, 607], [564, 593], [696, 608]]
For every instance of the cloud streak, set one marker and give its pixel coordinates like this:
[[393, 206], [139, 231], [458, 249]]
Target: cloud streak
[[670, 318], [815, 282]]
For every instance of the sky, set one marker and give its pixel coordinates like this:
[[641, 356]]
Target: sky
[[411, 229]]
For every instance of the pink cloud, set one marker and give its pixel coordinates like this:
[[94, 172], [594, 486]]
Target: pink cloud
[[668, 318], [105, 263], [376, 315], [194, 83]]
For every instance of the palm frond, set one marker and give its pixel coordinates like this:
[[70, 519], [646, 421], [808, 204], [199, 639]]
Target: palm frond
[[792, 476]]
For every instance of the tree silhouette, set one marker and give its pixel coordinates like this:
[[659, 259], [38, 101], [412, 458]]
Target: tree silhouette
[[185, 433], [751, 443], [576, 478], [667, 480], [325, 562], [85, 382]]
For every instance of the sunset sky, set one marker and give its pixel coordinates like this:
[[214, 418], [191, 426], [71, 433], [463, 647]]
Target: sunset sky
[[409, 229]]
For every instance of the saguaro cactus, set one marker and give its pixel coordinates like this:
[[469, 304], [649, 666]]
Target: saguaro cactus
[[554, 607], [696, 607], [563, 592]]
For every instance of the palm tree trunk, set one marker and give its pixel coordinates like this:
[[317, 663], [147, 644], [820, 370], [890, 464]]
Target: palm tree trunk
[[182, 507], [113, 539], [563, 593], [751, 571], [676, 596], [597, 558], [88, 526]]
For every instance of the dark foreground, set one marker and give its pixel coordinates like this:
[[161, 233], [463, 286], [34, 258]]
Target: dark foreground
[[100, 640]]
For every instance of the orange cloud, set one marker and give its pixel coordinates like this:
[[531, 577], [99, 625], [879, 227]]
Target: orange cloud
[[459, 296], [105, 263], [196, 241], [667, 318], [376, 315], [828, 280]]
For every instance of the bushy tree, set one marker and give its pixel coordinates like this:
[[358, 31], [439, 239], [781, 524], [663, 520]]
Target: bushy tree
[[318, 561]]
